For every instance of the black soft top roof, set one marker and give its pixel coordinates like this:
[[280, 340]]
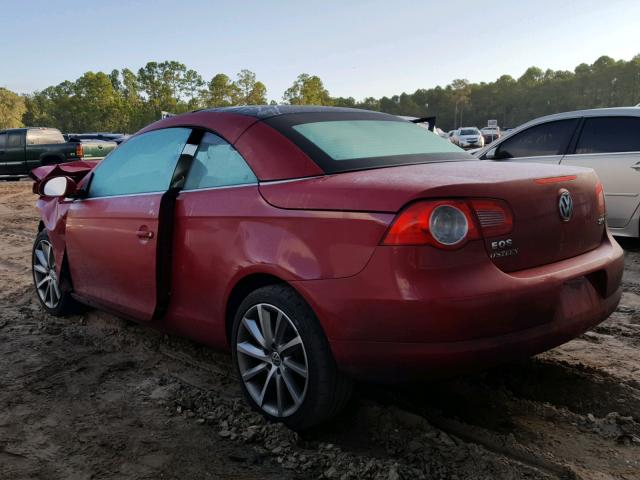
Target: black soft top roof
[[268, 111]]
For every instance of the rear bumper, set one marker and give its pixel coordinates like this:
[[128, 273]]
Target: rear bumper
[[411, 313]]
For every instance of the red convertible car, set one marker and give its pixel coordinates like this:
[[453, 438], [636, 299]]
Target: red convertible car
[[322, 244]]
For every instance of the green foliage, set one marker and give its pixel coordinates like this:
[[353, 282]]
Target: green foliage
[[12, 108], [127, 101], [307, 90], [606, 83]]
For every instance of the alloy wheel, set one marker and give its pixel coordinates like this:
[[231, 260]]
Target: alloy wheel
[[272, 360], [44, 274]]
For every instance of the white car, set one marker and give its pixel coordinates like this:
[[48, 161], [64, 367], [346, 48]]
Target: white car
[[468, 137], [605, 139]]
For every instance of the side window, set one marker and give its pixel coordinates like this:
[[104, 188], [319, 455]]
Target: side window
[[217, 164], [547, 139], [143, 164], [609, 134], [3, 140], [14, 139]]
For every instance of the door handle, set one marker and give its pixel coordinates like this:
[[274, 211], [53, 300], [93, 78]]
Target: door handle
[[636, 167], [145, 234]]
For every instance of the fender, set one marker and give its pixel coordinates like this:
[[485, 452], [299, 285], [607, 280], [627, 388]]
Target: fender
[[53, 210]]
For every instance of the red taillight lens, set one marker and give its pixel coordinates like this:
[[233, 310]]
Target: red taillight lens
[[494, 216], [79, 150], [449, 224], [444, 224], [601, 207]]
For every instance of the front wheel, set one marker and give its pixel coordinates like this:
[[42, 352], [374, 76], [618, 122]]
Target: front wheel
[[283, 359], [53, 290]]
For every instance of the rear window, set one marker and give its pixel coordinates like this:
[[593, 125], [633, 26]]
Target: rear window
[[43, 137], [342, 142]]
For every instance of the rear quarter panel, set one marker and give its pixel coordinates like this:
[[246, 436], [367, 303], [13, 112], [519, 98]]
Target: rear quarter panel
[[222, 235]]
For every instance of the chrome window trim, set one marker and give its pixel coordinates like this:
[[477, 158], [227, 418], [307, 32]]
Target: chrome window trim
[[122, 195], [599, 154], [632, 195]]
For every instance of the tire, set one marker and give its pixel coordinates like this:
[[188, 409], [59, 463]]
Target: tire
[[53, 291], [298, 346]]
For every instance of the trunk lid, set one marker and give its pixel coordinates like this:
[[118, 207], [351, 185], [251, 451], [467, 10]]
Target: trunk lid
[[539, 234]]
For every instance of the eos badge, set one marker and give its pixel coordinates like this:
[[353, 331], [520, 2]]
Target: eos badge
[[502, 248]]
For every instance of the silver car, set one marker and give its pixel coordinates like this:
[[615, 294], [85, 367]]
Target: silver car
[[605, 139], [468, 137]]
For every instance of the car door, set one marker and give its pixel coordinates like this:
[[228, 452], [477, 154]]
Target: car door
[[219, 195], [611, 146], [543, 143], [113, 236], [14, 153]]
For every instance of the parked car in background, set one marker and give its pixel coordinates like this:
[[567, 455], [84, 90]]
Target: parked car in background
[[468, 137], [108, 137], [441, 133], [22, 149], [451, 136], [321, 244], [490, 134], [607, 140]]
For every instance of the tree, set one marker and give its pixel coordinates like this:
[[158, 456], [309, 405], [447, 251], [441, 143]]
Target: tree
[[307, 90], [222, 92], [127, 101], [461, 94], [12, 108], [251, 92]]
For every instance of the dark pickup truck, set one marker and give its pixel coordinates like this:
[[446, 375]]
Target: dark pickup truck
[[23, 149]]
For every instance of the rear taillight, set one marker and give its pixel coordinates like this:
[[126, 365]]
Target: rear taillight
[[79, 150], [601, 207], [441, 223], [449, 224], [494, 216]]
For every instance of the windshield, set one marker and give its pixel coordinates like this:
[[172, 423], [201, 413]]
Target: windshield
[[346, 142], [469, 131]]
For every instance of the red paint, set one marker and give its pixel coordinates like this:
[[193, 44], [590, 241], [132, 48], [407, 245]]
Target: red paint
[[420, 309], [109, 262]]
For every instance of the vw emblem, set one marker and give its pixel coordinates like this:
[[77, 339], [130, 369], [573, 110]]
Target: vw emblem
[[565, 205]]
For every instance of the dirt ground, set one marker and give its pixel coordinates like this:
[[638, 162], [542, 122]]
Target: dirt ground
[[95, 396]]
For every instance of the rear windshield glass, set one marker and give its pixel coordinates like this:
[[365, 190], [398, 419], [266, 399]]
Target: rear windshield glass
[[44, 137], [346, 140], [355, 143]]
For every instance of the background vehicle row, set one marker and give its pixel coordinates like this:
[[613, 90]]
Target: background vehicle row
[[23, 149]]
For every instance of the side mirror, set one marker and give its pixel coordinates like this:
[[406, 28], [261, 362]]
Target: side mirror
[[59, 187]]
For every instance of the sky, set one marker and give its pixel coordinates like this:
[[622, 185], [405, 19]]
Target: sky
[[358, 48]]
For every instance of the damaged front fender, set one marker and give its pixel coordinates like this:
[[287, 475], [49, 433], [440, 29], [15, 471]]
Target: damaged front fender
[[53, 210]]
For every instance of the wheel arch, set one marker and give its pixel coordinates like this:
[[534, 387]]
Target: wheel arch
[[243, 287]]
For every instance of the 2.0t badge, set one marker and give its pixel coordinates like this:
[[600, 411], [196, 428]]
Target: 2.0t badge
[[565, 205]]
